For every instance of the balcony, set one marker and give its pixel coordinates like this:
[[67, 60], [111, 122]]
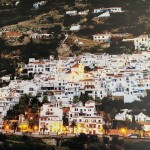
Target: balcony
[[49, 113]]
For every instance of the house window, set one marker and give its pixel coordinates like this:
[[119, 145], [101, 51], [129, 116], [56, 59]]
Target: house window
[[30, 89]]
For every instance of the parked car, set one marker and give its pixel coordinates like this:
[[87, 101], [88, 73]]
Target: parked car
[[134, 136]]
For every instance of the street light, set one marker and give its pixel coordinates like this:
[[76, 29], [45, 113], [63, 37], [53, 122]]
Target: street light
[[7, 128], [35, 128], [123, 131]]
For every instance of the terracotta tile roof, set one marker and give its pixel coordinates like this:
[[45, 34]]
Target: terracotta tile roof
[[90, 107], [86, 80], [66, 109], [118, 76], [110, 74], [13, 34], [75, 66], [92, 86], [144, 123], [137, 52], [89, 101], [37, 63]]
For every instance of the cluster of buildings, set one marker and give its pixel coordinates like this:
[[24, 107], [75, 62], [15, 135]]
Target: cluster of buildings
[[107, 38], [123, 77], [101, 11], [139, 117], [39, 4], [81, 119], [141, 42], [9, 4]]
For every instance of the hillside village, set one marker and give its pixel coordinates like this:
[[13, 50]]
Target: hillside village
[[77, 87], [79, 67]]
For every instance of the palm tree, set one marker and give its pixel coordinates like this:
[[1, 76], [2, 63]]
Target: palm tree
[[14, 126], [97, 102], [32, 123], [73, 125], [44, 128], [106, 129]]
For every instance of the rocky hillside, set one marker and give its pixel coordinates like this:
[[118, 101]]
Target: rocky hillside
[[51, 19]]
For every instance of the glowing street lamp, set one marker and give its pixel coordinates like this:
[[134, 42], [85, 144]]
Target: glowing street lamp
[[123, 131], [7, 128], [35, 128]]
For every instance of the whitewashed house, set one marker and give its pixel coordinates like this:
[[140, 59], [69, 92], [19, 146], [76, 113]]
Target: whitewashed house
[[84, 12], [115, 9], [102, 37], [142, 42], [72, 12], [105, 14], [75, 27], [85, 118], [51, 119]]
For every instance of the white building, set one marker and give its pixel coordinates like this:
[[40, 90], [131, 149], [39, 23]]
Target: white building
[[75, 27], [99, 10], [86, 118], [72, 12], [115, 9], [142, 42], [85, 12], [51, 119], [105, 14], [110, 9], [123, 115], [102, 37]]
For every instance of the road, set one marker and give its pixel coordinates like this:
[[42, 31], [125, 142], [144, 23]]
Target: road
[[55, 136]]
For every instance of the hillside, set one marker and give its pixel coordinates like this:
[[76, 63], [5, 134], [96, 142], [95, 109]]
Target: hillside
[[51, 19]]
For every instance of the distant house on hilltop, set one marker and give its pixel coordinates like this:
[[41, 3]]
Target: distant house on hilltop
[[142, 42], [12, 34], [115, 9], [105, 14], [38, 4], [85, 12], [110, 9], [72, 12], [75, 27], [102, 37]]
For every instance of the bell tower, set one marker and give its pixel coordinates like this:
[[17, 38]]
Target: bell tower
[[81, 69]]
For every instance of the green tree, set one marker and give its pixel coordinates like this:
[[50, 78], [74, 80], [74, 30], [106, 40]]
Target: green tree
[[96, 146], [32, 123], [3, 137], [22, 102], [45, 99], [106, 129], [85, 97], [93, 138], [69, 20], [26, 3], [75, 99], [87, 68], [113, 113], [83, 138], [97, 103]]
